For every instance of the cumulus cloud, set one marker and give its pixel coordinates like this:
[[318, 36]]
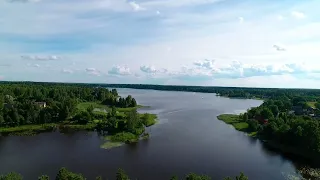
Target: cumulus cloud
[[206, 64], [279, 48], [148, 69], [41, 58], [135, 6], [298, 15], [93, 71], [68, 71], [120, 70]]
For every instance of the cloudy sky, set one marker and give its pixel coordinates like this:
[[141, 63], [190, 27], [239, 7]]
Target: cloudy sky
[[255, 43]]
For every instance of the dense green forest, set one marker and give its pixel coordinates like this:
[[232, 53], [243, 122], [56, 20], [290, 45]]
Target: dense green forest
[[291, 124], [38, 107], [65, 174]]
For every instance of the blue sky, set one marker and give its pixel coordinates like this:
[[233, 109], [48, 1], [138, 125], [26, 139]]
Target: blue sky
[[256, 43]]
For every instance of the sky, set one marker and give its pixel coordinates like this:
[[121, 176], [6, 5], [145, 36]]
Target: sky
[[246, 43]]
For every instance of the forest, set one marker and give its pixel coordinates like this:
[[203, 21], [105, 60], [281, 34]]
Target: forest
[[232, 92], [36, 107], [65, 174], [288, 123]]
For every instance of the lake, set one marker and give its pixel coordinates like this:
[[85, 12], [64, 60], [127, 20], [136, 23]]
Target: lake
[[188, 138]]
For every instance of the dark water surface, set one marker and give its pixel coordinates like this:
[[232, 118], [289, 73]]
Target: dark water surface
[[188, 138]]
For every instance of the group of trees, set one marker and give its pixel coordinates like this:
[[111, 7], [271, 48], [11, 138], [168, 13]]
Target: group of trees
[[19, 102], [65, 174], [120, 102], [299, 131]]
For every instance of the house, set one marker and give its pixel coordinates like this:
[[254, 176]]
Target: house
[[8, 105], [298, 110], [41, 104]]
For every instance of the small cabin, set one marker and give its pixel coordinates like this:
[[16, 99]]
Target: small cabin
[[41, 104]]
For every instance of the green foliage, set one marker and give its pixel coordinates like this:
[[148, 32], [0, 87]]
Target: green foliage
[[11, 176], [193, 176], [44, 177], [83, 117], [121, 175], [65, 174], [124, 137]]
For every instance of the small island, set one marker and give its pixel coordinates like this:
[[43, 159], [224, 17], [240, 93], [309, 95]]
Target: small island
[[29, 109]]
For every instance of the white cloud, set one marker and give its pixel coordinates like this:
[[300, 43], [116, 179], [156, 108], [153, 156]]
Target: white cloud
[[41, 58], [148, 69], [298, 15], [241, 19], [120, 70], [158, 12], [279, 48], [135, 6], [177, 3], [68, 71], [93, 71], [207, 64]]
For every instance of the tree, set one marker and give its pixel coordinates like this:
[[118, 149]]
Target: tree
[[83, 117], [242, 177], [266, 113], [121, 175], [193, 176], [274, 109], [11, 176], [174, 178], [99, 178], [245, 117], [44, 177], [64, 174]]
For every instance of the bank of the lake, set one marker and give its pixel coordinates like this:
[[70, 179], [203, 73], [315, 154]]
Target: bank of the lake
[[240, 125], [115, 139]]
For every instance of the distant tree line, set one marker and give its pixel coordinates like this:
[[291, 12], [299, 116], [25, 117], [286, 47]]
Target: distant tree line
[[65, 174]]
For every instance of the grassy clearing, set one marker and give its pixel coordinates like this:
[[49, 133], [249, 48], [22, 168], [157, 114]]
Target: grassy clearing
[[110, 145], [236, 123], [311, 104], [148, 119], [27, 129], [83, 106]]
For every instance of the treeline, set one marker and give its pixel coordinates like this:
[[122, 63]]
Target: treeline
[[41, 103], [236, 92], [277, 121], [65, 174]]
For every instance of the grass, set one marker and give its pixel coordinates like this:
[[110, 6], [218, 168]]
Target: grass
[[311, 104], [237, 123], [110, 145], [27, 129], [78, 127], [84, 105], [149, 119], [124, 137]]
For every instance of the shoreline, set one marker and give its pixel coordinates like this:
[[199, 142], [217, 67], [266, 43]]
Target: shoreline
[[233, 119]]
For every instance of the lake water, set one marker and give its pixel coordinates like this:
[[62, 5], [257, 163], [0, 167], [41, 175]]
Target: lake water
[[188, 138]]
